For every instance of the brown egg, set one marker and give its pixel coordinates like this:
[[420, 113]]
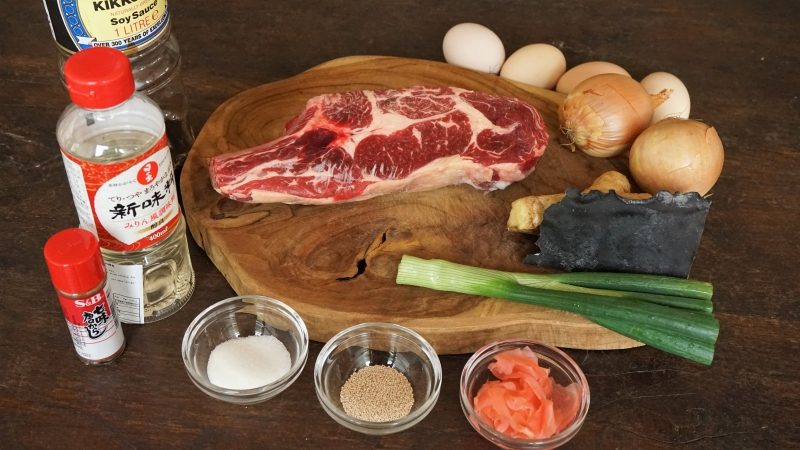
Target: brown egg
[[677, 105], [539, 65], [577, 74]]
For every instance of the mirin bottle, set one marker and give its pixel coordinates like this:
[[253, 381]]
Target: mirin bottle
[[120, 172]]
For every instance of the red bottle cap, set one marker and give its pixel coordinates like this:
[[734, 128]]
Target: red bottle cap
[[99, 77], [74, 260]]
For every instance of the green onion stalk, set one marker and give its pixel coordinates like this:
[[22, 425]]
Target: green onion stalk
[[670, 314]]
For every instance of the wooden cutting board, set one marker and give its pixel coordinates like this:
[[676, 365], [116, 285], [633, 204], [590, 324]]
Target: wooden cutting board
[[336, 264]]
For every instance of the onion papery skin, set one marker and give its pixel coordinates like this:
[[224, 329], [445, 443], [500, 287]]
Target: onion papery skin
[[677, 155], [605, 113]]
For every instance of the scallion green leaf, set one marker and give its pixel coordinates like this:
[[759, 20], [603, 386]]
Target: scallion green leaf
[[681, 325]]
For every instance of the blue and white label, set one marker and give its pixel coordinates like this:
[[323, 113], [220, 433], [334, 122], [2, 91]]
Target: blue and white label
[[127, 25]]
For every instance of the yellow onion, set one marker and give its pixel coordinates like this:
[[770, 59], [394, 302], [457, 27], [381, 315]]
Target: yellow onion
[[605, 113], [677, 155]]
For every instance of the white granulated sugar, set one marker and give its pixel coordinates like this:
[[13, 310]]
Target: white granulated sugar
[[249, 362]]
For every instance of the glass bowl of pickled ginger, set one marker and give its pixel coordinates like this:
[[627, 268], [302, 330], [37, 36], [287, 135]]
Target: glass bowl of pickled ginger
[[522, 394]]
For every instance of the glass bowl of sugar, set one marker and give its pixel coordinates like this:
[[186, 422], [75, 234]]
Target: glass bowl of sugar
[[245, 349], [377, 378]]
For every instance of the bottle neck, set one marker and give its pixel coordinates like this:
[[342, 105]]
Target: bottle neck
[[109, 109]]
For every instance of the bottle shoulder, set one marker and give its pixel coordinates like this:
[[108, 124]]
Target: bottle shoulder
[[113, 134]]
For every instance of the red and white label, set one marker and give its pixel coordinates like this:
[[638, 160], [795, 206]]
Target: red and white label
[[130, 205], [93, 324]]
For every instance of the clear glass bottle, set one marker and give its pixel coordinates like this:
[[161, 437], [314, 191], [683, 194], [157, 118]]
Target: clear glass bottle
[[120, 171], [143, 31]]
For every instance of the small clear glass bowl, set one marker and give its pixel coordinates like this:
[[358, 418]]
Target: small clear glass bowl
[[247, 315], [563, 369], [370, 344]]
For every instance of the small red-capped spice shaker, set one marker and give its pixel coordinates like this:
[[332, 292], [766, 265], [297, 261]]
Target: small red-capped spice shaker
[[79, 277]]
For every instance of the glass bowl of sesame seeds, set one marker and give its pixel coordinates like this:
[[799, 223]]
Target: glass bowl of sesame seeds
[[377, 378]]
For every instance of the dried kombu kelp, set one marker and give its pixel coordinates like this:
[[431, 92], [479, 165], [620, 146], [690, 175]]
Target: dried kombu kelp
[[604, 232]]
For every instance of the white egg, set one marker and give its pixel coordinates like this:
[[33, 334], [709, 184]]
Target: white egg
[[540, 65], [678, 103], [577, 74], [475, 47]]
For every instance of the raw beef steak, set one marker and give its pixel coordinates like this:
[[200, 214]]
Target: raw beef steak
[[356, 145]]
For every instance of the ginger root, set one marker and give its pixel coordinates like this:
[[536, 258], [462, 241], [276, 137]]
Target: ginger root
[[527, 213]]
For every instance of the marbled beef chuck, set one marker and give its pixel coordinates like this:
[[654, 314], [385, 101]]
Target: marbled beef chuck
[[357, 145]]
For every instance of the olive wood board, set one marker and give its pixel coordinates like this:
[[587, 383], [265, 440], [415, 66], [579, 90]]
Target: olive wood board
[[336, 264]]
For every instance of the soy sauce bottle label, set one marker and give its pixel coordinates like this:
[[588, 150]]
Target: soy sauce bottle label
[[127, 25]]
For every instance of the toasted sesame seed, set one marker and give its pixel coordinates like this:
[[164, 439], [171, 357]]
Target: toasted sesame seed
[[377, 394]]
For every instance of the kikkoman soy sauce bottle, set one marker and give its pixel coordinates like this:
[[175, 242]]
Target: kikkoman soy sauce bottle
[[120, 172], [142, 29]]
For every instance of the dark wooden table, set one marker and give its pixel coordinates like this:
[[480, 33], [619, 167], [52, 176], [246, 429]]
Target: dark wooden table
[[741, 63]]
